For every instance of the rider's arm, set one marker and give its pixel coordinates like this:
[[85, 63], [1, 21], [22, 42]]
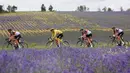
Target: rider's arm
[[11, 37], [53, 35], [116, 32], [83, 36]]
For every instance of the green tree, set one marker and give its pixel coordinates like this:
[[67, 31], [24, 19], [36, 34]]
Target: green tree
[[9, 8], [50, 8], [82, 8], [121, 9], [87, 9], [104, 9], [43, 8], [128, 10], [1, 8], [99, 10], [109, 9], [13, 8]]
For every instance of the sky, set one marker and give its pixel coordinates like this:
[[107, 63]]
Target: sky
[[66, 5]]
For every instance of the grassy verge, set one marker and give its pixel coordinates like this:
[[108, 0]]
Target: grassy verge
[[99, 45]]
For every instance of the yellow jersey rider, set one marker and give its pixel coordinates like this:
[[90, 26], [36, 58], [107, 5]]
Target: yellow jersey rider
[[57, 35]]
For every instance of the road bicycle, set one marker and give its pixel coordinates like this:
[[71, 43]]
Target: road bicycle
[[51, 43], [115, 41], [82, 43], [12, 45]]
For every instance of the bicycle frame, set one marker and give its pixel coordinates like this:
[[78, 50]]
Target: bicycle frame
[[11, 42], [62, 42], [116, 40], [82, 39]]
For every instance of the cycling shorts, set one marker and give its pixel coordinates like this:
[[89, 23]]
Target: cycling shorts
[[89, 35], [60, 36]]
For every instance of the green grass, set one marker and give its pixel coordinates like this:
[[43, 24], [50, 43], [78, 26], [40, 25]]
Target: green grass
[[37, 46]]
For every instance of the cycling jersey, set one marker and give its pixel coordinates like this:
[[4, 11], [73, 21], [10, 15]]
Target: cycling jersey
[[17, 33], [56, 33], [117, 30], [86, 32], [14, 33]]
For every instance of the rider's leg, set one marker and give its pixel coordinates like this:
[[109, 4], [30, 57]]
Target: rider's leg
[[57, 42], [17, 41], [59, 37], [120, 37], [19, 37], [89, 39], [90, 42]]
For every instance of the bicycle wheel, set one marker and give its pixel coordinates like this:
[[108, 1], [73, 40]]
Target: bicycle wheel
[[7, 46], [79, 43], [94, 43], [23, 45], [126, 43], [65, 44], [112, 43], [49, 44]]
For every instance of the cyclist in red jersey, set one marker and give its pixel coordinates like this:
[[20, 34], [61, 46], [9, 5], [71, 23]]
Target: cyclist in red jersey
[[87, 35]]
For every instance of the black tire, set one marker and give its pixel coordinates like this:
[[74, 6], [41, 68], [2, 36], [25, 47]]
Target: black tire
[[94, 43], [126, 43], [112, 43], [7, 46], [80, 43], [65, 44], [23, 45], [49, 44]]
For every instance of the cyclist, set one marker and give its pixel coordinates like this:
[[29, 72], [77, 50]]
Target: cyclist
[[87, 35], [118, 33], [14, 35], [57, 35]]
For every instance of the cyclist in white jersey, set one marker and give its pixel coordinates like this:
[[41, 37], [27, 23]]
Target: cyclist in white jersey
[[14, 34], [87, 34], [117, 32]]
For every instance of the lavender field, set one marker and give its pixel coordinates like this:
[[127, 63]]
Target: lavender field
[[34, 26], [66, 60], [104, 19], [37, 24]]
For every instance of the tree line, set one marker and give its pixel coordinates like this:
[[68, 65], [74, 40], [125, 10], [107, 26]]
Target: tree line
[[43, 8], [83, 8], [9, 8], [14, 8]]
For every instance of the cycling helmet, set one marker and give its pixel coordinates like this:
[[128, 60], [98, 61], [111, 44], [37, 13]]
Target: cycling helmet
[[9, 30], [52, 29], [113, 27], [81, 29]]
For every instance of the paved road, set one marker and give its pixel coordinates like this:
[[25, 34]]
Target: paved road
[[70, 36]]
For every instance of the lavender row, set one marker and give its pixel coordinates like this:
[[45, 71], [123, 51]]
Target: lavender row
[[104, 19], [66, 60], [38, 20]]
